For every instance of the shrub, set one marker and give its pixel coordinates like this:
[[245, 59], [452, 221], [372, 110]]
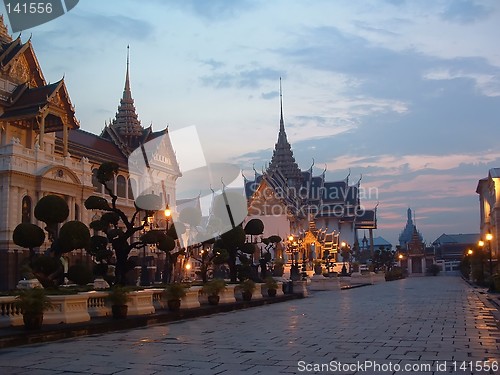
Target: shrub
[[175, 291], [433, 269], [214, 287], [80, 274], [118, 295], [33, 301], [395, 273], [271, 283], [248, 286]]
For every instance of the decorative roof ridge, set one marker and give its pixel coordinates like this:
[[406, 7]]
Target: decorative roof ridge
[[4, 32]]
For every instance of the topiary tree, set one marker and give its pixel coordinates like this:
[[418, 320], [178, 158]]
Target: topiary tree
[[233, 242], [52, 210], [119, 229]]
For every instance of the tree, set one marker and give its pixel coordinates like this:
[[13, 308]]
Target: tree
[[118, 228], [383, 259], [52, 210], [233, 242]]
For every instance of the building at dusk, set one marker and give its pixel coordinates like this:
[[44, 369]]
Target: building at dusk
[[43, 150], [290, 201], [416, 256], [488, 189]]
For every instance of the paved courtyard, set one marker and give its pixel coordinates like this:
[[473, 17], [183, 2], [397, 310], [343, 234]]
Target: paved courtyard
[[429, 325]]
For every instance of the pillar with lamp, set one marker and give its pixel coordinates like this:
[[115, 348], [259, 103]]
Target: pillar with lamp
[[294, 268], [145, 280], [167, 213], [345, 249], [489, 238]]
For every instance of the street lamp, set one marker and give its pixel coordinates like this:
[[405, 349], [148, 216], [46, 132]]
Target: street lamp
[[167, 214], [145, 281], [489, 237]]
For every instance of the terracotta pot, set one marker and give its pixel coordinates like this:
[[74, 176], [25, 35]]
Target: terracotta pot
[[119, 311], [318, 269], [33, 321], [271, 292], [247, 296], [213, 300], [174, 304]]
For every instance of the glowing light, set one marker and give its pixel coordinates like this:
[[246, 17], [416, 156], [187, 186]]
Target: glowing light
[[343, 244], [188, 266], [489, 236], [480, 243], [167, 212], [400, 256], [470, 252], [290, 238]]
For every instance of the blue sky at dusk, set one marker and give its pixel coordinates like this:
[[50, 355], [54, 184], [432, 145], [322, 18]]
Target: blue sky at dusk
[[404, 93]]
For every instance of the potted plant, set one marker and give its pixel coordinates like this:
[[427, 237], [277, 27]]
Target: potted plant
[[279, 268], [33, 302], [247, 288], [173, 294], [212, 290], [318, 268], [118, 296], [272, 286]]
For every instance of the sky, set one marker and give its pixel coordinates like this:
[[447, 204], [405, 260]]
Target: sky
[[403, 94]]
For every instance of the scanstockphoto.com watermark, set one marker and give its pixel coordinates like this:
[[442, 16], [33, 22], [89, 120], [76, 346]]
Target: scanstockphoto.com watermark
[[399, 367], [25, 14]]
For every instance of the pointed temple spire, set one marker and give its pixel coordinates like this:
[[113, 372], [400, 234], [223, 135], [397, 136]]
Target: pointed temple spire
[[282, 123], [4, 32], [126, 91], [283, 159], [127, 122], [125, 128]]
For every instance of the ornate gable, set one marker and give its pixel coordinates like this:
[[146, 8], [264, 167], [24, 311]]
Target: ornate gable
[[265, 201]]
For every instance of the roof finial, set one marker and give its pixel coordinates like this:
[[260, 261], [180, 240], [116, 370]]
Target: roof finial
[[127, 81], [282, 123]]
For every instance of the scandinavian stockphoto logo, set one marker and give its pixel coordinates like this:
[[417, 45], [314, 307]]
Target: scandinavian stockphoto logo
[[210, 197], [25, 14]]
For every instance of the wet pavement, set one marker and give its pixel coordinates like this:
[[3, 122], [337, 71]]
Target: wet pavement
[[426, 325]]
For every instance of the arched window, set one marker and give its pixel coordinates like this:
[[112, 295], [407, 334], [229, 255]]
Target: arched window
[[132, 186], [121, 186], [97, 185], [26, 209]]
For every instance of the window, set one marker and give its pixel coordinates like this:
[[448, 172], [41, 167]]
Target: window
[[121, 186], [26, 209], [97, 185], [132, 186], [77, 212]]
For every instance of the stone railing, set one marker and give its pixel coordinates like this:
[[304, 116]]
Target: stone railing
[[84, 306]]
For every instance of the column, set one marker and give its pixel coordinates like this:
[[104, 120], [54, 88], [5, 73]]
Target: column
[[42, 132], [370, 231], [65, 140]]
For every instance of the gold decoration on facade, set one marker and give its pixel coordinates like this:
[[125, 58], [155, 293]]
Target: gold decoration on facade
[[20, 69]]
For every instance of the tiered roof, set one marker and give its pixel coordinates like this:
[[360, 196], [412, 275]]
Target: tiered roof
[[126, 129], [305, 194], [282, 158]]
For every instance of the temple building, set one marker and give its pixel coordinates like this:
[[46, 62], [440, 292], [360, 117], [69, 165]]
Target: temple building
[[317, 213], [43, 151], [416, 256], [488, 189], [407, 234]]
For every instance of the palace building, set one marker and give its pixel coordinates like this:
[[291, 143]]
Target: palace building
[[318, 214], [43, 150]]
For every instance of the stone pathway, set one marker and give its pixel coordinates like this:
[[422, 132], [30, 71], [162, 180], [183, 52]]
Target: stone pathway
[[427, 325]]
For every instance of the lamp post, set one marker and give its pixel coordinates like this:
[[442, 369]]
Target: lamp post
[[489, 237], [145, 281], [167, 214], [345, 248]]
